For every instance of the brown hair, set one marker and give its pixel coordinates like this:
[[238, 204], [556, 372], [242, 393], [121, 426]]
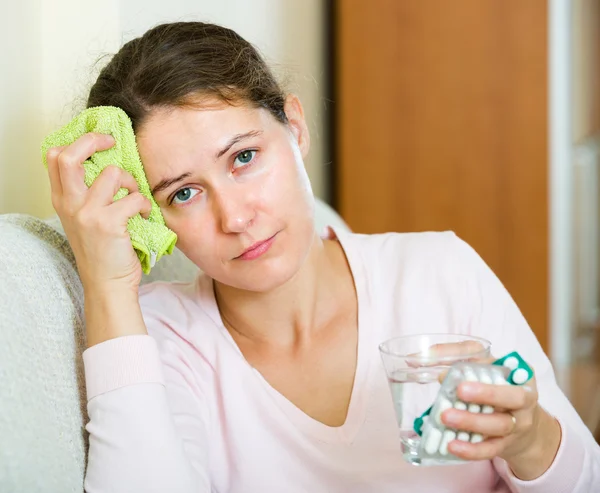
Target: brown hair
[[172, 64]]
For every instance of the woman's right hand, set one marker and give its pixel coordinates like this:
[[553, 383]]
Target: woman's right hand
[[96, 227]]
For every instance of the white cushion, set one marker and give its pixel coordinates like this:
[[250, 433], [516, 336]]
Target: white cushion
[[42, 404]]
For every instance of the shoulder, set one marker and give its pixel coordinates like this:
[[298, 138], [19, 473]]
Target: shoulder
[[417, 281], [426, 250], [160, 291], [177, 316], [433, 267], [178, 310], [165, 297]]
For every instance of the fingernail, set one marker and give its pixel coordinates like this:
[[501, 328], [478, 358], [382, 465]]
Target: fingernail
[[451, 418], [468, 390], [457, 446]]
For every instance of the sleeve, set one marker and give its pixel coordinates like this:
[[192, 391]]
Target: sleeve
[[496, 317], [146, 422]]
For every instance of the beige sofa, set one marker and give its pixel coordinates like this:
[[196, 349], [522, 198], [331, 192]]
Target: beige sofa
[[42, 397]]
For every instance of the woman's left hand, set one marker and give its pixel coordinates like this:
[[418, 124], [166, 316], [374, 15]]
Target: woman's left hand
[[520, 431]]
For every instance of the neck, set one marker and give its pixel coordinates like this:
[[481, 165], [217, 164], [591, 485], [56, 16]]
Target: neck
[[294, 312]]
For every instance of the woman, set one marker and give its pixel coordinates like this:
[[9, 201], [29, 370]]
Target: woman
[[264, 374]]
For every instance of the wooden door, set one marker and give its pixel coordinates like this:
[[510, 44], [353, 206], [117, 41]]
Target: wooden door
[[441, 124]]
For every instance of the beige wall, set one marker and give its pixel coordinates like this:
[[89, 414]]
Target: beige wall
[[56, 43], [22, 186]]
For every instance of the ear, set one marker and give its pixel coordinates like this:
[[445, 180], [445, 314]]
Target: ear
[[296, 122]]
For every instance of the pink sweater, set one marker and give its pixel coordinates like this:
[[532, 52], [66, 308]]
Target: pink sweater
[[181, 410]]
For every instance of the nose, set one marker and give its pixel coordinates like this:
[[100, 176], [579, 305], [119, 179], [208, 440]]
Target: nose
[[235, 212]]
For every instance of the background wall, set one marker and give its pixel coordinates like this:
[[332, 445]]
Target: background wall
[[586, 68], [19, 106], [53, 46]]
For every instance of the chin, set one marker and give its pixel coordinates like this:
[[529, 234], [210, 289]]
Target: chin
[[266, 277], [277, 267], [271, 272]]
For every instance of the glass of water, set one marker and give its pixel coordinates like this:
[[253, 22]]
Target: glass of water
[[413, 365]]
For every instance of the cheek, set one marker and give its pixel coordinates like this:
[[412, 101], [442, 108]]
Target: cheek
[[287, 185], [194, 233]]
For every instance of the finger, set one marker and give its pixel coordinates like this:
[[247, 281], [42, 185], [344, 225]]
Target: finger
[[512, 397], [489, 425], [442, 376], [53, 172], [445, 353], [463, 348], [487, 361], [71, 159], [486, 450], [145, 212], [131, 205], [108, 183]]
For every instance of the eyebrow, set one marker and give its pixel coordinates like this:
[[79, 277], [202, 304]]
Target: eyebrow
[[237, 138], [167, 182]]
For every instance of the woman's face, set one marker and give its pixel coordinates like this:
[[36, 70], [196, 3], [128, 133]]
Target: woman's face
[[229, 178]]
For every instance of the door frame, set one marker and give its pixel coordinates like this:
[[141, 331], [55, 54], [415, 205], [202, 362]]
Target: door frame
[[560, 110]]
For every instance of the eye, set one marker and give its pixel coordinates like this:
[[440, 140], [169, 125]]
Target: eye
[[184, 195], [243, 158]]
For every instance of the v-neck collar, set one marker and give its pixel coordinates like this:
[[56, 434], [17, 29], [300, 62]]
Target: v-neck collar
[[358, 400]]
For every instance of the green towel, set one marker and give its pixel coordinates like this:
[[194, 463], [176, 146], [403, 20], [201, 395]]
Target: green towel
[[150, 237]]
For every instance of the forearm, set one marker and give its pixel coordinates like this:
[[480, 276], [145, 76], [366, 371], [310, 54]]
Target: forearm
[[110, 313], [134, 442], [133, 445]]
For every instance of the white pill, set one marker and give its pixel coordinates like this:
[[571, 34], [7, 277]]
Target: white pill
[[460, 405], [476, 438], [434, 437], [442, 405], [520, 376], [448, 436], [469, 374], [511, 362], [474, 408], [463, 436], [499, 378], [487, 409], [484, 377]]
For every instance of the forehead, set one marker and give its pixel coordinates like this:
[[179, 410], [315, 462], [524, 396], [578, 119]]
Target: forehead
[[207, 123], [187, 137]]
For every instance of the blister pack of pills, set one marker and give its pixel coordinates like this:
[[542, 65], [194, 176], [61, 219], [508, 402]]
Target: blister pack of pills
[[435, 436]]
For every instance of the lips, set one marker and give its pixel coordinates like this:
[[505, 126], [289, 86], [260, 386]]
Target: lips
[[257, 249]]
